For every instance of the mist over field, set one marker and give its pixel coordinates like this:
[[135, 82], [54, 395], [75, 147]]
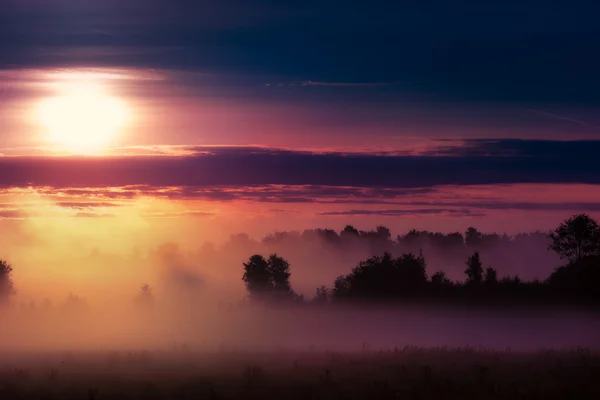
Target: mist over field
[[214, 269], [198, 299], [201, 327]]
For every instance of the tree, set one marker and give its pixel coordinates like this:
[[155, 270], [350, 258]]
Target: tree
[[576, 238], [583, 277], [440, 278], [75, 303], [257, 276], [341, 287], [6, 284], [268, 278], [349, 233], [511, 280], [383, 277], [383, 233], [145, 297], [491, 276], [323, 295], [474, 269], [473, 236], [279, 271]]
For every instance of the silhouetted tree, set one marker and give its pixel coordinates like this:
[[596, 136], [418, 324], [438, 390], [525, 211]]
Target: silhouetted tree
[[268, 278], [383, 277], [383, 233], [474, 269], [583, 275], [576, 238], [473, 236], [280, 237], [323, 295], [350, 230], [279, 271], [257, 275], [349, 233], [6, 284], [491, 276], [145, 298], [439, 278], [75, 303], [341, 287], [510, 280]]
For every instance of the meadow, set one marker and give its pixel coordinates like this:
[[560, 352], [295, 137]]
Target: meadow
[[181, 372]]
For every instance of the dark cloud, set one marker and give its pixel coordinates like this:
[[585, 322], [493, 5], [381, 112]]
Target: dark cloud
[[190, 213], [500, 50], [12, 214], [560, 151], [93, 215], [511, 205], [85, 205], [478, 162], [344, 84], [407, 212], [432, 198]]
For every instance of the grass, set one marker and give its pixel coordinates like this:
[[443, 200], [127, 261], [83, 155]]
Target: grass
[[406, 373]]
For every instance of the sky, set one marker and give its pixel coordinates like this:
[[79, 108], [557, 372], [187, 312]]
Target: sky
[[125, 125]]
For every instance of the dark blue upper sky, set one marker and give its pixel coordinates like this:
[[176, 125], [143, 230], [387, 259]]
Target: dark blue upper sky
[[514, 51]]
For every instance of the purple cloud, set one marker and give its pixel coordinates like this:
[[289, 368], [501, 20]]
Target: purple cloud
[[478, 162]]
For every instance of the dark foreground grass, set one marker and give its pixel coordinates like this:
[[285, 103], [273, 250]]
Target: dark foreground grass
[[409, 373]]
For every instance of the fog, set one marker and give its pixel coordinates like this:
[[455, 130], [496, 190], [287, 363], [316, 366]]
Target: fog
[[243, 327], [200, 302]]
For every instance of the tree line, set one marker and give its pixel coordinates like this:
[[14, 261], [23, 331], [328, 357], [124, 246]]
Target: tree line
[[385, 277], [404, 277]]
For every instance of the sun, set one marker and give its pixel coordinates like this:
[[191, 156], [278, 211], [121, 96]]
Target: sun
[[82, 118]]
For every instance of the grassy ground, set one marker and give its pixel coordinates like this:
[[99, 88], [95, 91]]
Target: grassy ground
[[408, 373]]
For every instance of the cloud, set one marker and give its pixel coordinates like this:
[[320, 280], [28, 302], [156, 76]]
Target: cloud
[[406, 212], [85, 205], [189, 213], [12, 214], [345, 84], [559, 117], [93, 215], [512, 205], [523, 149], [476, 162], [495, 51]]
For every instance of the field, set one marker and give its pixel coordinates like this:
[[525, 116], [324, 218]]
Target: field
[[400, 373]]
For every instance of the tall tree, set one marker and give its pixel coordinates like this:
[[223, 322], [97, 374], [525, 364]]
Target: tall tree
[[323, 295], [440, 278], [349, 233], [268, 278], [491, 276], [474, 269], [257, 275], [279, 271], [473, 237], [6, 284], [576, 238]]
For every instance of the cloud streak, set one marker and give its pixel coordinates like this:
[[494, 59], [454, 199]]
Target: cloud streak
[[345, 84], [559, 117], [405, 212], [476, 162]]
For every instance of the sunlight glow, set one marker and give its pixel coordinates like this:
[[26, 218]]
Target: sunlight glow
[[83, 118]]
